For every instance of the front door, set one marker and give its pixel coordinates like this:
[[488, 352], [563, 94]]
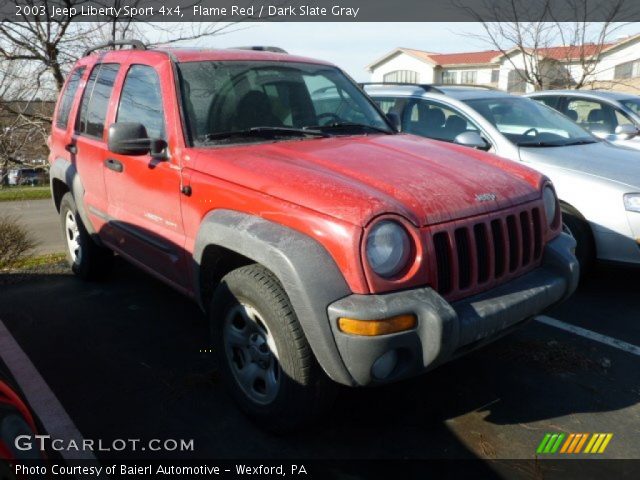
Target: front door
[[144, 192]]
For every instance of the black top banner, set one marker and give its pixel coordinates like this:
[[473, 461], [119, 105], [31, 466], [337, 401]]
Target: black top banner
[[322, 10]]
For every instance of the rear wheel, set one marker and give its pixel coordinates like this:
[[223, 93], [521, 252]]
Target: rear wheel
[[87, 259], [576, 226], [263, 353]]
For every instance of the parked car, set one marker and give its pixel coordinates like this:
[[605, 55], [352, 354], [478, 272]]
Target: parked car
[[598, 184], [325, 247], [16, 420], [613, 116]]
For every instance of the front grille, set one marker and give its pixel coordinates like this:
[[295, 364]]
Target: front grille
[[486, 251]]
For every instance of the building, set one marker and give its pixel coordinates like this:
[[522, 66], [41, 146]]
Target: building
[[616, 66]]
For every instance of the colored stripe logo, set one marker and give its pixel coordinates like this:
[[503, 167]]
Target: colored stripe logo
[[574, 443]]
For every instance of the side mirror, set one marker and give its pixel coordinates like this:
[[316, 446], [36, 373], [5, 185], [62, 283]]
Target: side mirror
[[473, 140], [394, 120], [626, 131], [130, 138]]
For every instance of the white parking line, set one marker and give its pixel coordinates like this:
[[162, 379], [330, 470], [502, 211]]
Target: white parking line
[[43, 401], [595, 336]]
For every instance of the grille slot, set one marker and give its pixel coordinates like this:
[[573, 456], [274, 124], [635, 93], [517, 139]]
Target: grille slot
[[482, 251], [498, 247], [464, 258], [443, 259], [488, 251]]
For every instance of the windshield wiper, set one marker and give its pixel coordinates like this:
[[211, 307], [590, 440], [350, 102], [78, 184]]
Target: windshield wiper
[[555, 144], [350, 126], [266, 132], [579, 142]]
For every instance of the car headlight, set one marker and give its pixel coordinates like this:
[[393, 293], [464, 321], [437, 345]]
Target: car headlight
[[388, 248], [550, 204], [632, 202]]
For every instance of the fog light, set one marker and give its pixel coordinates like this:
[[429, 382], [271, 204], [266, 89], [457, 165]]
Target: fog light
[[370, 328], [385, 364]]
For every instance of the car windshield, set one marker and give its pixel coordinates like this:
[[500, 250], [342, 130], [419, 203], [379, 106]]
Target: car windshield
[[253, 101], [530, 124], [632, 104]]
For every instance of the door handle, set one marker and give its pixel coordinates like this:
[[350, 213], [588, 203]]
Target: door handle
[[114, 165], [71, 148]]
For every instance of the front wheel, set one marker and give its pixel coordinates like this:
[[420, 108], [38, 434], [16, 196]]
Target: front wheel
[[87, 260], [263, 353]]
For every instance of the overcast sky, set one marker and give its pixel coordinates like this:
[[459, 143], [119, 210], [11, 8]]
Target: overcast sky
[[354, 45]]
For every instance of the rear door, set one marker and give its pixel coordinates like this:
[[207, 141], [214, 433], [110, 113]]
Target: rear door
[[144, 192], [88, 146]]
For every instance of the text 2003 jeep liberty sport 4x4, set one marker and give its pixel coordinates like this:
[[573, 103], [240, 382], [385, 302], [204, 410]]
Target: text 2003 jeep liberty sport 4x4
[[323, 244]]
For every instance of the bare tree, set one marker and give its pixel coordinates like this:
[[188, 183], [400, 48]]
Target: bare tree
[[24, 119], [539, 43]]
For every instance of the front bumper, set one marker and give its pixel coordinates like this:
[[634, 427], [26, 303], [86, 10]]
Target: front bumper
[[446, 330]]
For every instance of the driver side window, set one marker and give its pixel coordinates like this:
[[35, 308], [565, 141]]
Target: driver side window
[[598, 118], [435, 120]]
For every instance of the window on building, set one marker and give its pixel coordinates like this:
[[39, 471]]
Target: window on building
[[516, 82], [401, 76], [95, 100], [67, 97], [495, 75], [449, 77], [468, 77], [141, 100], [627, 70]]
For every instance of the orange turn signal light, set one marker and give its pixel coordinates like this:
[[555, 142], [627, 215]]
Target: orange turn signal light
[[372, 328]]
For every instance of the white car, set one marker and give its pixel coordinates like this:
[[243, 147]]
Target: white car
[[598, 183]]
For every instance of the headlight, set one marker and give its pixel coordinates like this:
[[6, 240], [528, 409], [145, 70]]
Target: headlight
[[632, 202], [388, 248], [550, 204]]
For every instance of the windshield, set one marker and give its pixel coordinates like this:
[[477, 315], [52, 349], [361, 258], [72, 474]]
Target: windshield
[[239, 102], [530, 124], [632, 104]]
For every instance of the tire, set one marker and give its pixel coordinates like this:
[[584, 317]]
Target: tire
[[576, 226], [87, 260], [263, 354]]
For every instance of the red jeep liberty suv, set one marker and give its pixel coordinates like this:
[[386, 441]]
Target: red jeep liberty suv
[[324, 246]]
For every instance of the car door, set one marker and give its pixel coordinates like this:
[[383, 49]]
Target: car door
[[143, 191], [598, 117], [88, 145], [433, 119]]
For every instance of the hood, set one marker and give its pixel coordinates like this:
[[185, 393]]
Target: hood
[[617, 163], [357, 178]]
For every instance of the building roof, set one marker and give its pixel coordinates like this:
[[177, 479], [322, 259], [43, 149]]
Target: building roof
[[487, 57]]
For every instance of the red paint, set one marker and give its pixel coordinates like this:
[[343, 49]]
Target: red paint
[[331, 189]]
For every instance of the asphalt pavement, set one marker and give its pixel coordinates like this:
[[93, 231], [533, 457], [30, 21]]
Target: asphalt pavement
[[41, 219], [127, 359]]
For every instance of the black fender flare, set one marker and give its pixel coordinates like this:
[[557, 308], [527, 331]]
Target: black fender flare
[[309, 275], [66, 172]]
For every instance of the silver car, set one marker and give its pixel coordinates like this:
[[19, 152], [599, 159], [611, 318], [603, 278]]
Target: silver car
[[613, 116], [598, 183]]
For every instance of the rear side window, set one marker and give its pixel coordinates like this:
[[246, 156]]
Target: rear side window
[[67, 97], [95, 101], [141, 100], [548, 101]]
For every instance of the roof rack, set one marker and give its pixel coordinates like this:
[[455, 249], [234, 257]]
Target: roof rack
[[425, 86], [135, 45], [261, 48]]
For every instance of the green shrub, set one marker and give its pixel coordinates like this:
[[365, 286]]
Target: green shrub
[[15, 241]]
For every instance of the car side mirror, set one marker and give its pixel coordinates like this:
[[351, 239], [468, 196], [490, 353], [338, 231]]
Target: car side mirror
[[130, 138], [394, 120], [626, 131], [473, 140]]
